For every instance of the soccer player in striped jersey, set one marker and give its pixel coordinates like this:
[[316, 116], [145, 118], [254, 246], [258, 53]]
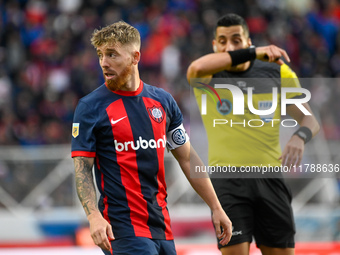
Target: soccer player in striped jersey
[[122, 129], [258, 207]]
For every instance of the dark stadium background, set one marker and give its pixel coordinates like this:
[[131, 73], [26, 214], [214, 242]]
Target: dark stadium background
[[47, 63]]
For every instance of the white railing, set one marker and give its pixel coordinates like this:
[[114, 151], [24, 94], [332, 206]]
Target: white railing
[[37, 184]]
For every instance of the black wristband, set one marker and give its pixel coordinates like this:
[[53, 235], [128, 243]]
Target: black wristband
[[242, 56], [304, 133]]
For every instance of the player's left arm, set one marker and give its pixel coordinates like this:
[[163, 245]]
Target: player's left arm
[[293, 151], [187, 157]]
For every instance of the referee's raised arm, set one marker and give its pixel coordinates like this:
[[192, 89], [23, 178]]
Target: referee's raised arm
[[207, 65]]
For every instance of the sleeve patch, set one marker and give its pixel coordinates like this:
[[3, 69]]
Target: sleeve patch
[[75, 129]]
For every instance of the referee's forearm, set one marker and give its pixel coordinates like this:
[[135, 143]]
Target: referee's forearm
[[308, 121], [209, 65]]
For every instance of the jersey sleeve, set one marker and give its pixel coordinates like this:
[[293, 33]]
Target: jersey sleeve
[[176, 134], [83, 136], [289, 79]]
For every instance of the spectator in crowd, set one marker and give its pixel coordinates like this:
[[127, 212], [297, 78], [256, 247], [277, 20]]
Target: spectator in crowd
[[46, 62]]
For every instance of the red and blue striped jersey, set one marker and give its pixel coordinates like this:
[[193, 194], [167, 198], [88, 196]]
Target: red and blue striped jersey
[[126, 134]]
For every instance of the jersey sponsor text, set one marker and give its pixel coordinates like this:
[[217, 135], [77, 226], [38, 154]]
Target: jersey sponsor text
[[140, 144]]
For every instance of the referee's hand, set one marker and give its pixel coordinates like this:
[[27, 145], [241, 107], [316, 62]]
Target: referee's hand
[[271, 53], [293, 152], [222, 221]]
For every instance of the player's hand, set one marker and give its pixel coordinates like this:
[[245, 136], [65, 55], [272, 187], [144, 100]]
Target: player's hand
[[222, 221], [293, 152], [101, 231], [271, 53]]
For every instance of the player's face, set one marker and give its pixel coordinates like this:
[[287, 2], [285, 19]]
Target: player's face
[[116, 62], [230, 39]]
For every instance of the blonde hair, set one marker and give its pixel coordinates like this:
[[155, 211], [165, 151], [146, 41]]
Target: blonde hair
[[119, 32]]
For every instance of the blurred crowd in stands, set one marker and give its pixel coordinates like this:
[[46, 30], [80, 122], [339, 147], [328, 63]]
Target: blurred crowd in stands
[[47, 62]]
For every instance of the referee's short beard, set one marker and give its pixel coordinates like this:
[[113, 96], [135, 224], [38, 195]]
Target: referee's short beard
[[121, 80]]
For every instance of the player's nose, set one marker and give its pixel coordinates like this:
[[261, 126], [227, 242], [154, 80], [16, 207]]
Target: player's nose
[[104, 62], [229, 47]]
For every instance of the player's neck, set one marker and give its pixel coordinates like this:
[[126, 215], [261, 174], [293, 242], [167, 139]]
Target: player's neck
[[133, 83]]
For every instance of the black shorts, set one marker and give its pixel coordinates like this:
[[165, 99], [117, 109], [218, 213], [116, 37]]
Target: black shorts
[[259, 208]]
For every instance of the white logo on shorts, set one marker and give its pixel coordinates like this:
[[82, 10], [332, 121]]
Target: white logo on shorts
[[236, 233]]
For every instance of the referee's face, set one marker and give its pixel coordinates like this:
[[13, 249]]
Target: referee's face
[[230, 39]]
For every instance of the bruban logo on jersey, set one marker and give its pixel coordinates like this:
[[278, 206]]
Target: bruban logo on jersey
[[140, 144], [156, 113]]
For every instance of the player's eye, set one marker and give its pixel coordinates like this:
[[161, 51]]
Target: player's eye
[[111, 54], [237, 41]]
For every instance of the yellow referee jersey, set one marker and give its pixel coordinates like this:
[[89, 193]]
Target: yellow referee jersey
[[245, 139]]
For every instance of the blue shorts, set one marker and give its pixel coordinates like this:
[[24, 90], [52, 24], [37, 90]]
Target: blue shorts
[[142, 246]]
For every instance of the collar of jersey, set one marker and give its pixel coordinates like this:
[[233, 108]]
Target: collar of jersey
[[130, 93]]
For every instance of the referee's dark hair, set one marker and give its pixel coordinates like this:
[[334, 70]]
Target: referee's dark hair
[[232, 19]]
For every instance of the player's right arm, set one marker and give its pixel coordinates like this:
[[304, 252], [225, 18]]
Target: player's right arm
[[100, 229], [207, 65]]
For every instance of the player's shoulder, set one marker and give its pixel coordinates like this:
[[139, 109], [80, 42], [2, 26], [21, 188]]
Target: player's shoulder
[[94, 96], [272, 67], [261, 69], [155, 92], [287, 72]]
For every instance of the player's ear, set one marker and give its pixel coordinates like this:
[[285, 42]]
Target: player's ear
[[136, 57], [249, 42], [214, 46]]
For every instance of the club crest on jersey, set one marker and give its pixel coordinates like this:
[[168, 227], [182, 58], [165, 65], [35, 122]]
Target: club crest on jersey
[[75, 129], [156, 113]]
